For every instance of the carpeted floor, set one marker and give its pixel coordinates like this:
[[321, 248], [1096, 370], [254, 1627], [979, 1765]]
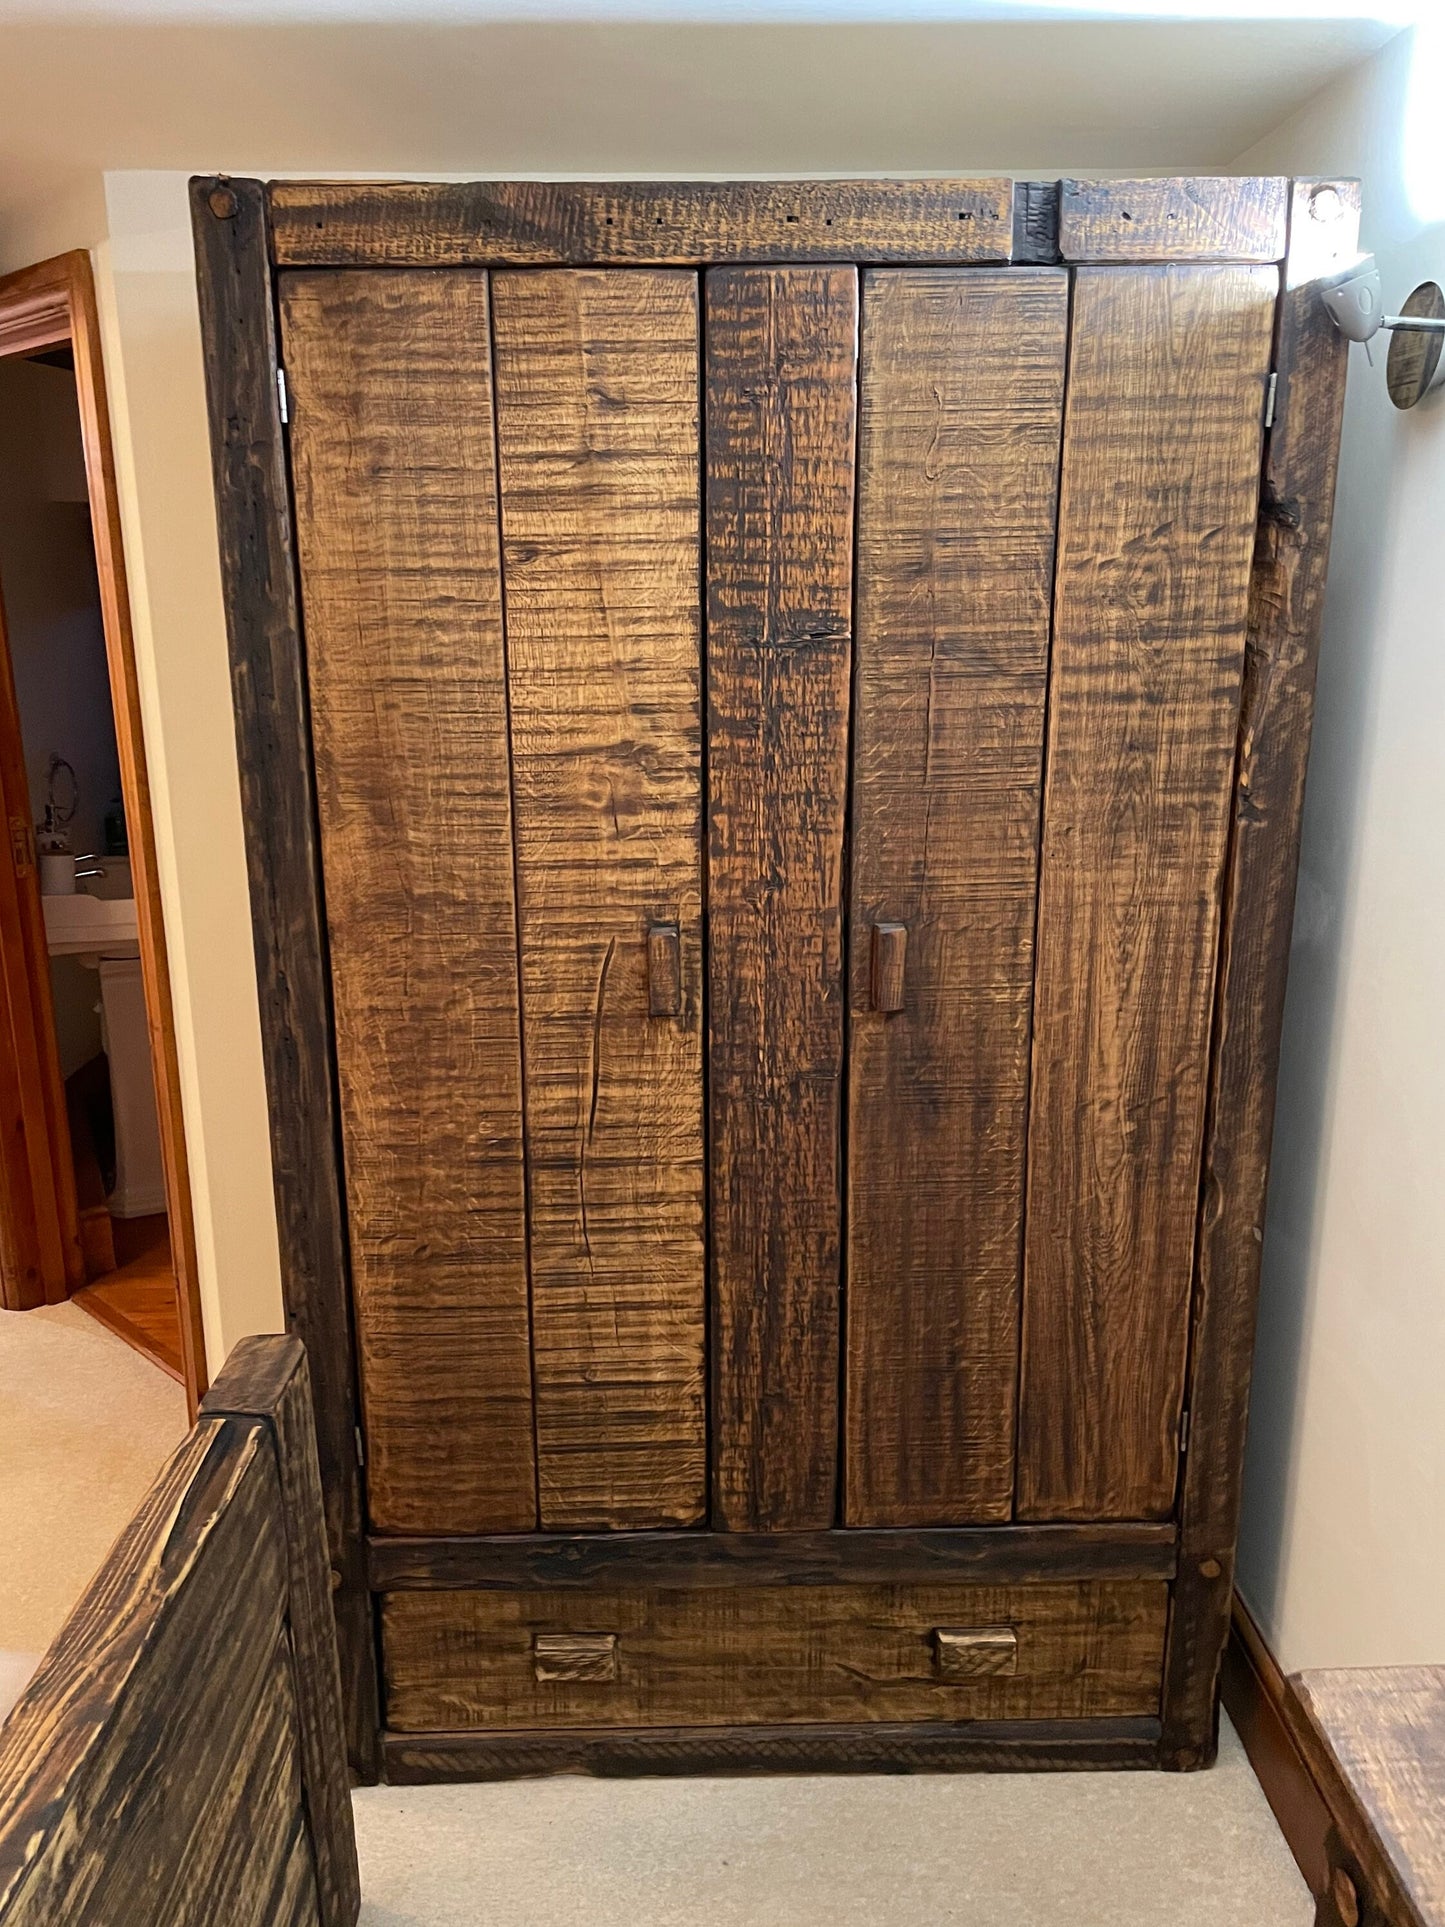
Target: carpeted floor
[[979, 1850], [85, 1425]]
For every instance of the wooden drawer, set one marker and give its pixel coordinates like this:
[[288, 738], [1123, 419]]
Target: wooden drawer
[[784, 1653]]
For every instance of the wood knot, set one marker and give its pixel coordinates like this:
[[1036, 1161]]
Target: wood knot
[[222, 203], [1210, 1569]]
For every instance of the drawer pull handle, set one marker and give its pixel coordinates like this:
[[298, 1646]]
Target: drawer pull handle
[[664, 970], [572, 1656], [890, 948], [975, 1652]]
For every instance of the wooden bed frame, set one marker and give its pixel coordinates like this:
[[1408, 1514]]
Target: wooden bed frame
[[179, 1756]]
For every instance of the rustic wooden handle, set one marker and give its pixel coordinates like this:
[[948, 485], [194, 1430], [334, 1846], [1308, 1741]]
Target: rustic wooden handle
[[572, 1656], [973, 1652], [664, 971], [890, 948]]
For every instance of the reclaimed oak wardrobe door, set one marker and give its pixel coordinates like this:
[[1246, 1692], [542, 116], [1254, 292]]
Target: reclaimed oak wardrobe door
[[396, 513], [782, 350], [961, 406], [598, 440], [1160, 483]]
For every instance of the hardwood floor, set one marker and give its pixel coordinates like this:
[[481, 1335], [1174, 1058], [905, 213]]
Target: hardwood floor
[[137, 1301]]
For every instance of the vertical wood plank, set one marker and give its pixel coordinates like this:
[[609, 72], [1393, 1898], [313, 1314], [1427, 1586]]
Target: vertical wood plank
[[266, 1378], [1286, 602], [597, 421], [961, 399], [273, 752], [1156, 525], [392, 457], [781, 384]]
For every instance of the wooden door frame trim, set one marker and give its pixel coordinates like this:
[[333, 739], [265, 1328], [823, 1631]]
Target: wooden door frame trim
[[236, 288], [43, 306], [1286, 607], [42, 1254], [481, 224]]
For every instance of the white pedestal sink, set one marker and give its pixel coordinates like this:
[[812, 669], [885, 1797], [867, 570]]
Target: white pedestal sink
[[101, 931]]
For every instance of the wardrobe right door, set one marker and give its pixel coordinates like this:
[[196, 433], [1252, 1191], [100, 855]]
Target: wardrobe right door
[[1057, 499]]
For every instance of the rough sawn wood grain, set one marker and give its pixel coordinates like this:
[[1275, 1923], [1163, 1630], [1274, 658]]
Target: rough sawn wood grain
[[961, 400], [396, 514], [1156, 533], [781, 366], [597, 432]]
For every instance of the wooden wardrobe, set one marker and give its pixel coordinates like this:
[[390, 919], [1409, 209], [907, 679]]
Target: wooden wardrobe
[[772, 723]]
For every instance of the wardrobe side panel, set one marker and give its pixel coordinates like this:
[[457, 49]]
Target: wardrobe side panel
[[961, 402], [396, 515], [1156, 534], [598, 421]]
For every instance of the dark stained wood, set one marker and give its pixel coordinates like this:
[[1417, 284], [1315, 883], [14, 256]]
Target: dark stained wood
[[998, 1554], [544, 223], [1383, 1730], [396, 525], [1285, 607], [267, 1379], [771, 1654], [781, 366], [150, 1773], [1267, 1715], [597, 435], [976, 1746], [1351, 1762], [1207, 218], [961, 410], [274, 753], [1036, 222], [1156, 523]]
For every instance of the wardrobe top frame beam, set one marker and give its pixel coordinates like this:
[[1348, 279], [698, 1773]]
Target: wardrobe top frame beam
[[991, 220]]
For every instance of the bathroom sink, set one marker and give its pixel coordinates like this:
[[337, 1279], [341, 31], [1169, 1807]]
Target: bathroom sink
[[80, 923]]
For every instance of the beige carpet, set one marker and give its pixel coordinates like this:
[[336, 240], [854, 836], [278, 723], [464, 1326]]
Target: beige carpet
[[980, 1850], [85, 1425]]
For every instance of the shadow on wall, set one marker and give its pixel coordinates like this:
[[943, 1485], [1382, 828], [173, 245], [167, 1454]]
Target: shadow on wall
[[1349, 1314]]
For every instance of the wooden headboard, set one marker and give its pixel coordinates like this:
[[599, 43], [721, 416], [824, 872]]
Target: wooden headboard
[[178, 1759]]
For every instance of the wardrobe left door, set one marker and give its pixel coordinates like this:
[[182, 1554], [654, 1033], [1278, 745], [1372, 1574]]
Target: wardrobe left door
[[394, 470]]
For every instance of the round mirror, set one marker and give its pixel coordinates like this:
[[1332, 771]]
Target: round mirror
[[1413, 366]]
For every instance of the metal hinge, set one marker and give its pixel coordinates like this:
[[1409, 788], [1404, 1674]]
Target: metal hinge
[[1271, 389], [1183, 1432], [360, 1446], [282, 395]]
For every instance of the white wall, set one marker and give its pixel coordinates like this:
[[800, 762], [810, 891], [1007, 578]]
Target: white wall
[[145, 282], [1343, 1549]]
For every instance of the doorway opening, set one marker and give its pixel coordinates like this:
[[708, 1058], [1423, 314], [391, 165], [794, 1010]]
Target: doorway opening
[[94, 1191]]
